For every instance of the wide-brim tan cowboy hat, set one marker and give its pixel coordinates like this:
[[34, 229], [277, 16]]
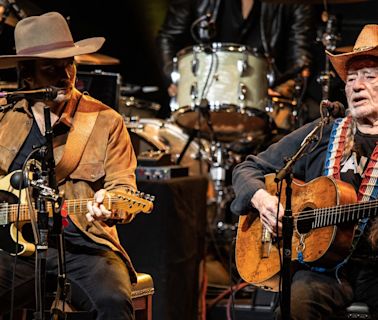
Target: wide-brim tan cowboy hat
[[47, 36], [366, 45]]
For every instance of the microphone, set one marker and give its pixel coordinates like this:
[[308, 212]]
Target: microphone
[[335, 109], [49, 93]]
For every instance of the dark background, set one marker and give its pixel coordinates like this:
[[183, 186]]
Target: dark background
[[131, 26]]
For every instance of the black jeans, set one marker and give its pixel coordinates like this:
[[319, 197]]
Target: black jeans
[[316, 296], [99, 280]]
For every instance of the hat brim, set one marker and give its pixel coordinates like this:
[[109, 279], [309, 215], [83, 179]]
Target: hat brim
[[339, 61], [85, 46]]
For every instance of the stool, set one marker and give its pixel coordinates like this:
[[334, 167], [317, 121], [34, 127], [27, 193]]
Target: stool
[[141, 295]]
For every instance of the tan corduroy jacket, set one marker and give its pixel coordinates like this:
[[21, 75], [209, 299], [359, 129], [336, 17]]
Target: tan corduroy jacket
[[108, 160]]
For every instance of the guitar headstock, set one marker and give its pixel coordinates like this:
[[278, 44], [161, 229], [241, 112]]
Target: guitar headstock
[[131, 202]]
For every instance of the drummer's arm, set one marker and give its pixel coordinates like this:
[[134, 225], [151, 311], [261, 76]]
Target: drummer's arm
[[301, 37], [285, 89], [174, 34]]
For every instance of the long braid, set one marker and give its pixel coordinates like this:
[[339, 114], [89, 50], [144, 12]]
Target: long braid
[[349, 141]]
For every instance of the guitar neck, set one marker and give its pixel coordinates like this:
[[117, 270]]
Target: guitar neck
[[121, 205], [14, 212], [323, 217]]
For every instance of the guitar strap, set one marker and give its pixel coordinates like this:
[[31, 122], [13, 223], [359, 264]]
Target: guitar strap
[[368, 189], [82, 127]]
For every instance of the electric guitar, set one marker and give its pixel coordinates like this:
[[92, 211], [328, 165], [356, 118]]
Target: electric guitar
[[325, 212], [15, 218]]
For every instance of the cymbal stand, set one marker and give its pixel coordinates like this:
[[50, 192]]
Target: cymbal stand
[[219, 163], [328, 39]]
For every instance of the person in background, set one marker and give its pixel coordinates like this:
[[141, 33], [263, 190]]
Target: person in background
[[282, 33], [94, 160], [347, 150]]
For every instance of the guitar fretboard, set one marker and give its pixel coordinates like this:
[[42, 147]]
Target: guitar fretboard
[[120, 204], [322, 217]]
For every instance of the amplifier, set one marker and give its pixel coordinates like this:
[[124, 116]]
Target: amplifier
[[104, 86], [160, 173]]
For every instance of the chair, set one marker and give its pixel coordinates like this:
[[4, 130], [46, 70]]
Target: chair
[[141, 296]]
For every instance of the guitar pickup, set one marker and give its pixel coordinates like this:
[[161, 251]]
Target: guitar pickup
[[4, 213]]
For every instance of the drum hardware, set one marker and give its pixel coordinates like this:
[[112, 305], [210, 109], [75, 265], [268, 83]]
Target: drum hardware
[[151, 134], [328, 39], [175, 77], [134, 108], [128, 89], [221, 160]]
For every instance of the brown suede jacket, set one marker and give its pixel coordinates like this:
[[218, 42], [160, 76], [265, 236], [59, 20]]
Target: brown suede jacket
[[108, 160]]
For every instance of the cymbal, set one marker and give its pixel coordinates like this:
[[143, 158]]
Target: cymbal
[[11, 20], [97, 59], [25, 8], [314, 1]]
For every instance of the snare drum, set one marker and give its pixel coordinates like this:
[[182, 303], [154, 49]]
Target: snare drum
[[158, 135], [233, 82]]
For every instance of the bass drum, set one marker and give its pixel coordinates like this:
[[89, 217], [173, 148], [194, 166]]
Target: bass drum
[[158, 135]]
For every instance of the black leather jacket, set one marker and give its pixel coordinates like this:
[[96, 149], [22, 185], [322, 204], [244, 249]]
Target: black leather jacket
[[287, 32]]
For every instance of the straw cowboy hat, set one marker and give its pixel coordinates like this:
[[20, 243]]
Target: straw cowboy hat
[[366, 44], [47, 36]]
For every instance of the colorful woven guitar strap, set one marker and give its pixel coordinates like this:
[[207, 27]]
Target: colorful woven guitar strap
[[368, 189]]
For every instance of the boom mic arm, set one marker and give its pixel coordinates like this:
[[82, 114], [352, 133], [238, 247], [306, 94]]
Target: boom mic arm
[[49, 93]]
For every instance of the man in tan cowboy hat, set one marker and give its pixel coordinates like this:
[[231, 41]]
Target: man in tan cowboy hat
[[94, 160], [335, 263]]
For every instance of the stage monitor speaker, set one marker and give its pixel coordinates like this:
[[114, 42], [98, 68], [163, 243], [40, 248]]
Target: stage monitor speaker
[[169, 244], [260, 306], [104, 86]]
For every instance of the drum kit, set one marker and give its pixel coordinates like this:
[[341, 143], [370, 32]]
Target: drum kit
[[222, 110]]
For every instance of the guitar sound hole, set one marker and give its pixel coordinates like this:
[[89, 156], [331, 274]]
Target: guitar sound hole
[[305, 220]]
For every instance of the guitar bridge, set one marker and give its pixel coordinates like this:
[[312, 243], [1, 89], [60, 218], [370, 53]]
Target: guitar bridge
[[266, 243]]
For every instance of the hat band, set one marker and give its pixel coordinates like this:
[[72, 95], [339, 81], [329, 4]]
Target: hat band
[[46, 47]]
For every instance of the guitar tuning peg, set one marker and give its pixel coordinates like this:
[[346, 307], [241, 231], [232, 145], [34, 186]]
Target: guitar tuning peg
[[152, 198], [141, 195]]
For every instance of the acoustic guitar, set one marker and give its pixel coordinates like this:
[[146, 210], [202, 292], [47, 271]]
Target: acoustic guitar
[[325, 215]]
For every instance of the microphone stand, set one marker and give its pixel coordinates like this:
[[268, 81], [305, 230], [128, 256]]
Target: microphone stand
[[287, 221], [47, 191], [62, 292]]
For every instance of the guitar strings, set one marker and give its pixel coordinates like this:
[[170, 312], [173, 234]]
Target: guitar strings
[[11, 210]]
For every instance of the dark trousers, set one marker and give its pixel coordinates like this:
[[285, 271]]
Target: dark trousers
[[316, 296], [99, 280]]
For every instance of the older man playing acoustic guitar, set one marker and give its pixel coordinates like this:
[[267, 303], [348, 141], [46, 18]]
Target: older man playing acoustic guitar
[[347, 150]]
